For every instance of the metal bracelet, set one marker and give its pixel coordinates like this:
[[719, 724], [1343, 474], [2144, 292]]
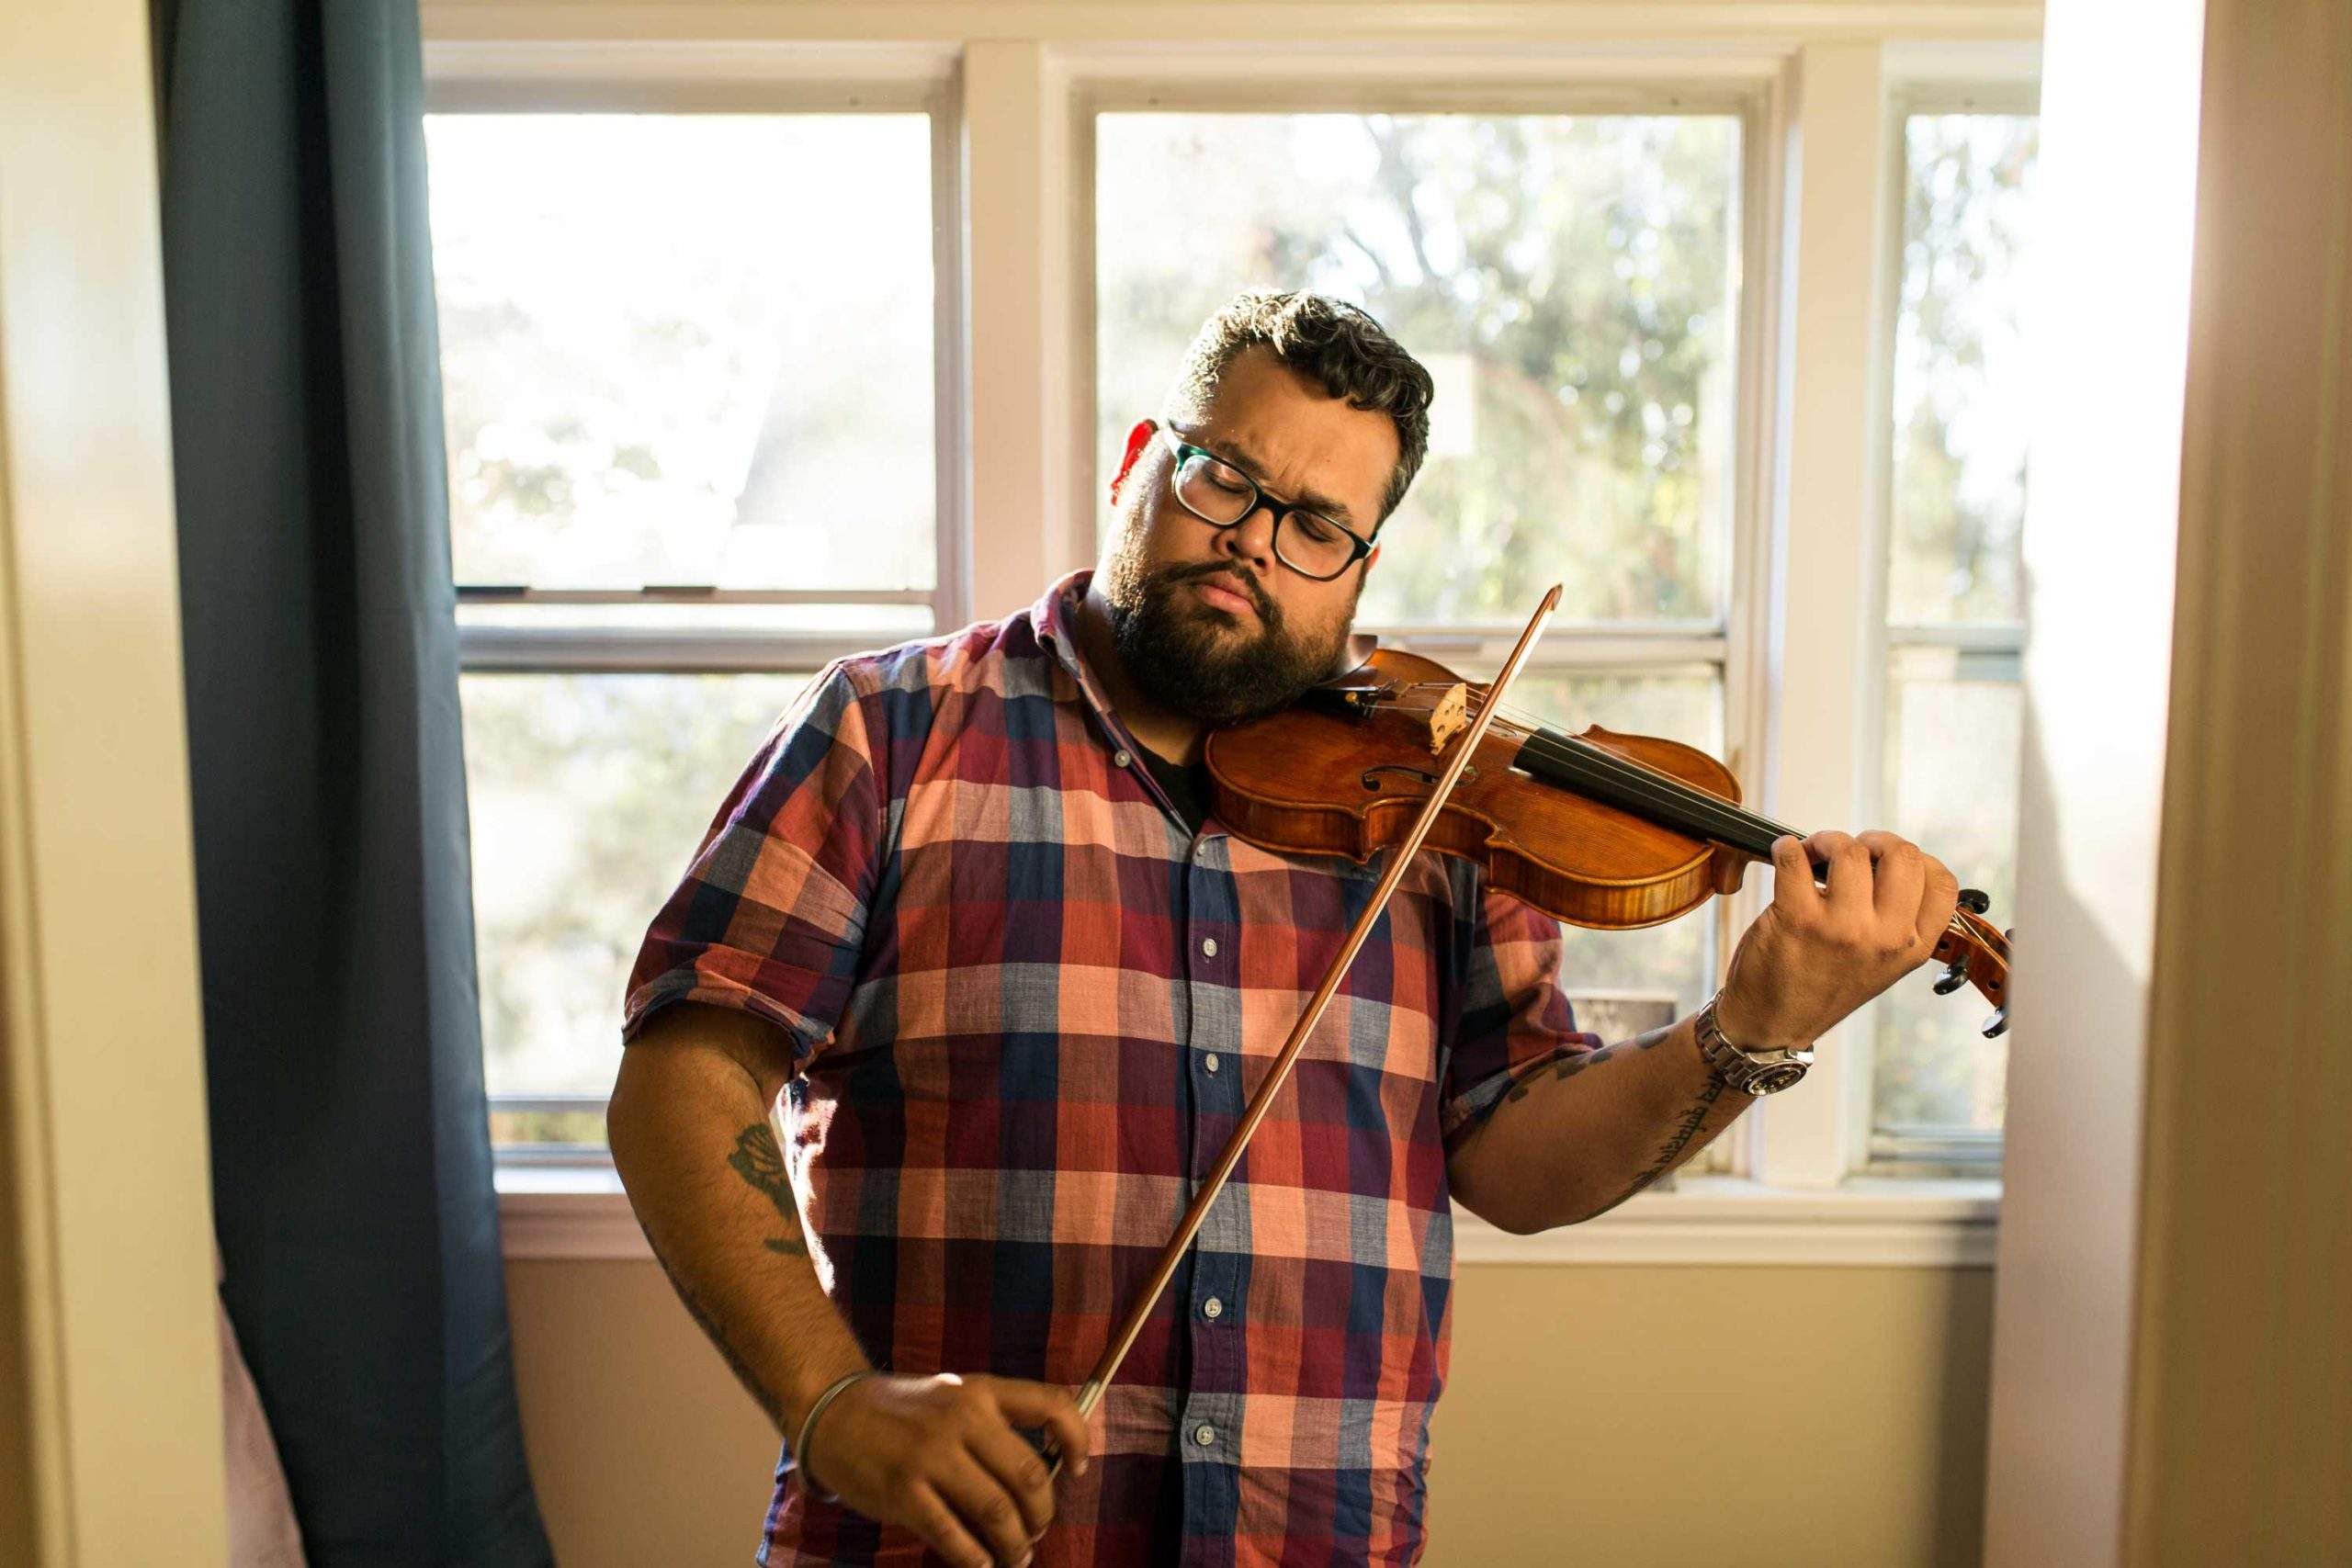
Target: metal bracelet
[[809, 1425]]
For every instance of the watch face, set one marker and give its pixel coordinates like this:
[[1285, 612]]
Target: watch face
[[1773, 1079]]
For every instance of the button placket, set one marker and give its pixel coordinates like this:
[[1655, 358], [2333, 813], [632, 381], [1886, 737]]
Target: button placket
[[1212, 1411]]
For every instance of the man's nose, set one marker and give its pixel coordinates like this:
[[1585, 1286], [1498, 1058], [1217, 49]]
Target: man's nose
[[1252, 540]]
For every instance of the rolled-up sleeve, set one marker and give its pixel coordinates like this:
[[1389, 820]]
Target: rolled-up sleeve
[[1515, 1018], [771, 915]]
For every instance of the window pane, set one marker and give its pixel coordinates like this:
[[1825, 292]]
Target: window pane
[[1960, 388], [686, 348], [1571, 282], [589, 795], [1953, 726]]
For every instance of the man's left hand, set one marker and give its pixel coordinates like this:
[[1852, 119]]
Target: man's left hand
[[1818, 952]]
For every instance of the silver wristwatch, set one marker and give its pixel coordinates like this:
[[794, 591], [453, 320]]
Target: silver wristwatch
[[1757, 1072]]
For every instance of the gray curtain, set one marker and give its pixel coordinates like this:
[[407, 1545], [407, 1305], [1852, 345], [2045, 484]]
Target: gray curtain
[[351, 1161]]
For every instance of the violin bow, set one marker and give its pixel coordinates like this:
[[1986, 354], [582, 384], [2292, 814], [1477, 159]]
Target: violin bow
[[1465, 746]]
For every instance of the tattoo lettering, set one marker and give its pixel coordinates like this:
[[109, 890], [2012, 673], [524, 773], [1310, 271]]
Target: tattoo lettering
[[735, 1362], [1670, 1154]]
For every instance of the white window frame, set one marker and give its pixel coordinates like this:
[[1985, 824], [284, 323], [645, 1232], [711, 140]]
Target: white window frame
[[827, 80], [1199, 80], [1020, 82], [1973, 82]]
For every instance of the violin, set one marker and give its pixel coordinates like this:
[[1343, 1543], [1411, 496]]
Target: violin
[[1600, 829]]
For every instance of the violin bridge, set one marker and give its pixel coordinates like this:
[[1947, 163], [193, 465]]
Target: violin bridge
[[1450, 717]]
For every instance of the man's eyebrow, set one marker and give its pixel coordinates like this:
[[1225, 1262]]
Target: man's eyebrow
[[1338, 510]]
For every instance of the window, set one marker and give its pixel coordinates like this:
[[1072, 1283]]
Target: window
[[1572, 282], [688, 374], [673, 500], [1955, 608]]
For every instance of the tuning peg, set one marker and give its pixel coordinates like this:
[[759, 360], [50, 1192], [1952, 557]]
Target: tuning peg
[[1954, 977], [1975, 901], [1998, 1025]]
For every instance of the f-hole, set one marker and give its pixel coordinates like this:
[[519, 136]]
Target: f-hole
[[1427, 780]]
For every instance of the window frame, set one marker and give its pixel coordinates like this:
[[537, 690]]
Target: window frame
[[1013, 90], [1986, 86], [684, 81], [1210, 79], [678, 81]]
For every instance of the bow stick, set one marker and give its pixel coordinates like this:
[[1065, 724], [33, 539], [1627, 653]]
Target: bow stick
[[1090, 1395]]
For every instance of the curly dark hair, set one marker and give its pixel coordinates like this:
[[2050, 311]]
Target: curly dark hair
[[1341, 348]]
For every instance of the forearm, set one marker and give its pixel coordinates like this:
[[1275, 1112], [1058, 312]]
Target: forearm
[[1578, 1139], [691, 1139]]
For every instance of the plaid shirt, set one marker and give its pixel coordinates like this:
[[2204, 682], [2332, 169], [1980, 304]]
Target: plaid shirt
[[1030, 1005]]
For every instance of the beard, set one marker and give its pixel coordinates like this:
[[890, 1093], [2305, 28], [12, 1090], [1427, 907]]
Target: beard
[[1180, 650]]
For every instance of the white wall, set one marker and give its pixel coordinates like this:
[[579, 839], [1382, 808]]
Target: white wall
[[2108, 315]]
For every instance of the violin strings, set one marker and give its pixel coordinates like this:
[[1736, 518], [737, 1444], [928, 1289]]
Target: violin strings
[[1584, 756], [1679, 803], [1665, 792], [1698, 808], [1575, 754]]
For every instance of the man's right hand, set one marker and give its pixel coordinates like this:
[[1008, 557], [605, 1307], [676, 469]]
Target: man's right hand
[[940, 1455]]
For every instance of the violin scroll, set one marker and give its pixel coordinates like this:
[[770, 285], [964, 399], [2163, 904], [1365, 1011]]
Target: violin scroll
[[1974, 952]]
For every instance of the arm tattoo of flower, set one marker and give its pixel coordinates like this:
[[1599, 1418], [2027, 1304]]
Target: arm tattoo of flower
[[760, 1165]]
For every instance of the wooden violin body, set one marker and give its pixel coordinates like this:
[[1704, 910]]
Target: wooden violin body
[[1600, 829], [1320, 779]]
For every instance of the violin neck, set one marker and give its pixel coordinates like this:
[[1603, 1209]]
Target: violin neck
[[1600, 774]]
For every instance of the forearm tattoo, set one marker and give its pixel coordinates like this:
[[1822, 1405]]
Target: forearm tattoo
[[1585, 1061], [711, 1327], [760, 1163], [1685, 1128]]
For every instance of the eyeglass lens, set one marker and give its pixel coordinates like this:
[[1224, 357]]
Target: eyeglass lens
[[1223, 494]]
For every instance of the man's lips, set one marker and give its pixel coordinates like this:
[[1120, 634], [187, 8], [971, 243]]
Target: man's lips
[[1223, 598]]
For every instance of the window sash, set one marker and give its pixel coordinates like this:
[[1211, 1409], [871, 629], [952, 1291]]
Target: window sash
[[1996, 647], [554, 78]]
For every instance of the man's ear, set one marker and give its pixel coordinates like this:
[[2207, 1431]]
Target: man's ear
[[1372, 560], [1137, 439]]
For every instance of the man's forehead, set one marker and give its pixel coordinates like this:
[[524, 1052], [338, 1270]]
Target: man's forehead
[[1299, 441]]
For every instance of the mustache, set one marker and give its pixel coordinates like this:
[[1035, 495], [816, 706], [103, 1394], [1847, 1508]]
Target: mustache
[[1240, 582]]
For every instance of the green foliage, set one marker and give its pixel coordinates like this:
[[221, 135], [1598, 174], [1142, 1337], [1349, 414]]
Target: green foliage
[[1580, 268], [1958, 470]]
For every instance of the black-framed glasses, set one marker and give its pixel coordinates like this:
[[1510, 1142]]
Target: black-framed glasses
[[1221, 495]]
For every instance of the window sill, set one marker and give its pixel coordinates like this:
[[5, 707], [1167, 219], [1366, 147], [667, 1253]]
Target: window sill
[[580, 1213]]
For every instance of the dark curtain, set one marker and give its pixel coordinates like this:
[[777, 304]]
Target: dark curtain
[[351, 1162]]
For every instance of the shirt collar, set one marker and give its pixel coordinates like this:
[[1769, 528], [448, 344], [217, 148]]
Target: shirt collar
[[1055, 614], [1055, 618]]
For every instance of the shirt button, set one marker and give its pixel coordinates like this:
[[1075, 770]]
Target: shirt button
[[1209, 1062], [1123, 757], [1212, 1308], [1208, 947], [1205, 1435]]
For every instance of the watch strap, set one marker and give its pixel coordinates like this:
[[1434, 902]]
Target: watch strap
[[1753, 1072]]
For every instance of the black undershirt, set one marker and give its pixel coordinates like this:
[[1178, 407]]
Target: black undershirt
[[1187, 788]]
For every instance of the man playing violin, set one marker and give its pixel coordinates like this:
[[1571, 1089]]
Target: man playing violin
[[969, 925]]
